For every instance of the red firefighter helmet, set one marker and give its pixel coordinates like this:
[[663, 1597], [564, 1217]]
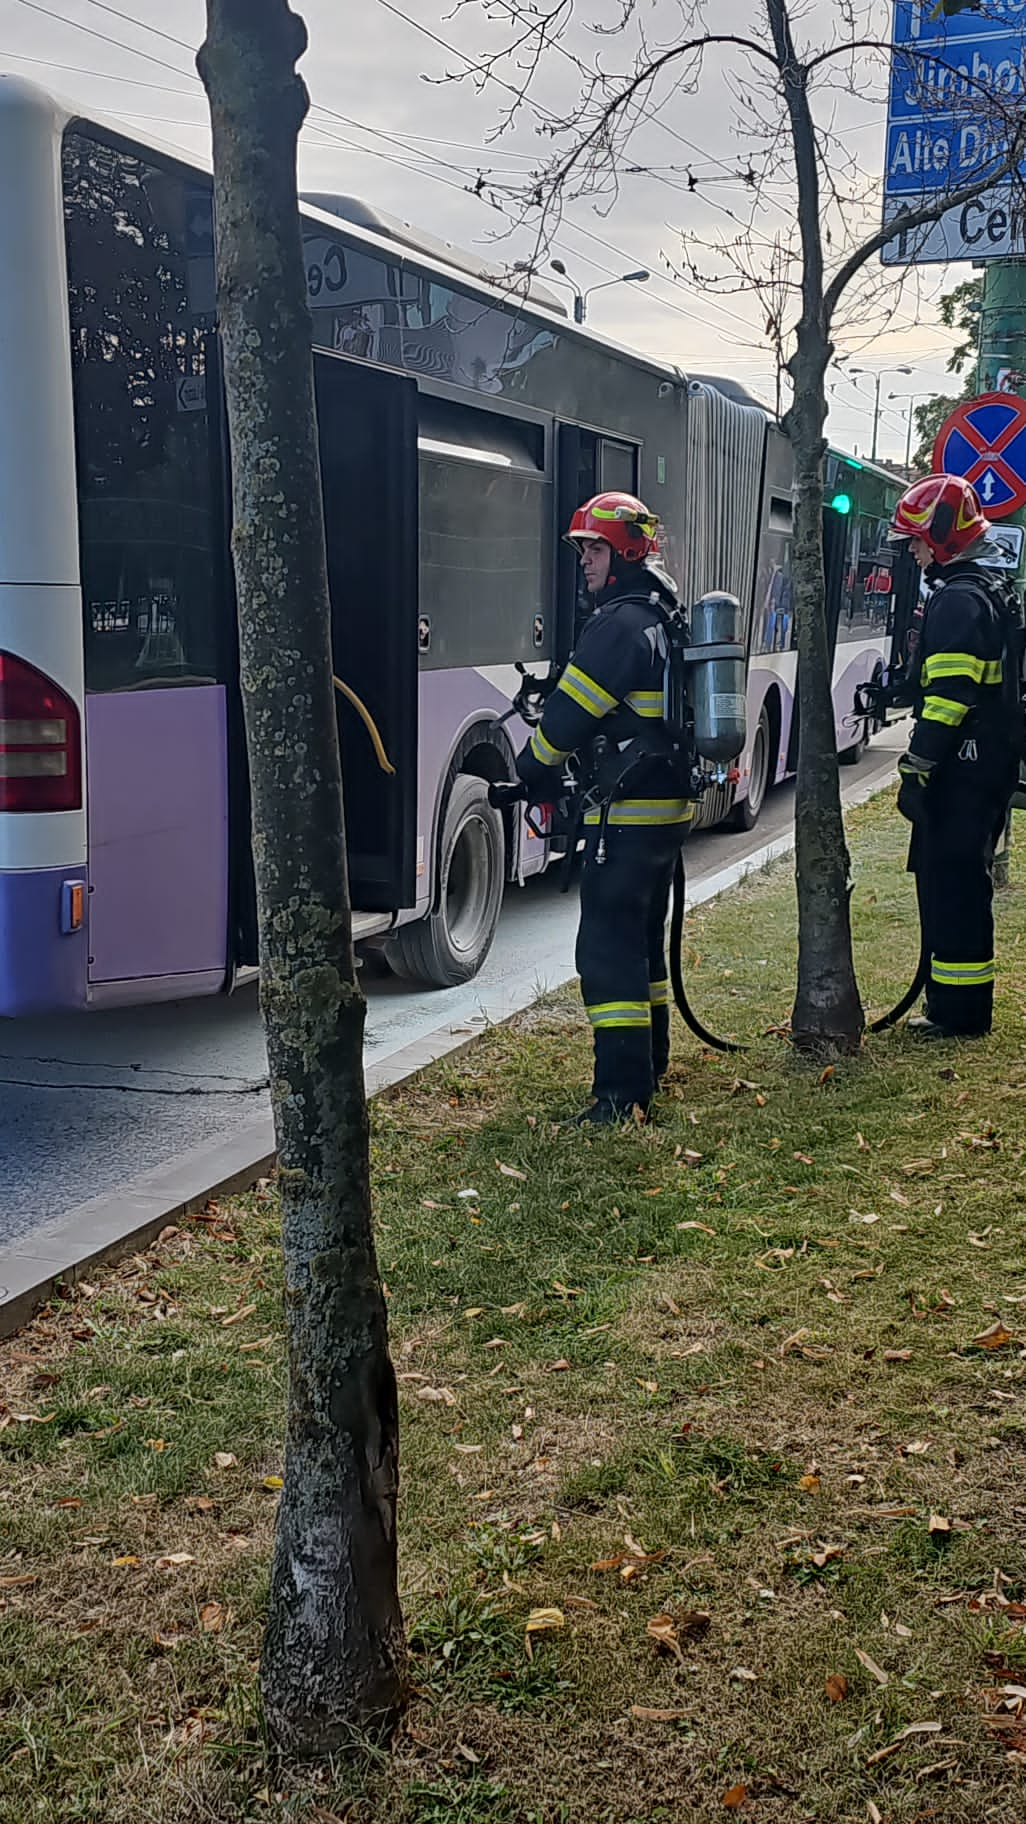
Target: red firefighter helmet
[[623, 521], [944, 511]]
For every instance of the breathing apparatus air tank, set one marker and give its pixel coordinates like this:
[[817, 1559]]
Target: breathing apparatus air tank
[[716, 667]]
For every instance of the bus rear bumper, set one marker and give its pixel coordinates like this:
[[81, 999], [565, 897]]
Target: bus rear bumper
[[44, 959]]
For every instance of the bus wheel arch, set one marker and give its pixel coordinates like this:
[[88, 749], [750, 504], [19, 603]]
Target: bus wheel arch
[[470, 845]]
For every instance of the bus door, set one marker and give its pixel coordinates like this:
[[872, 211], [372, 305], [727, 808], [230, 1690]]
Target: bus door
[[587, 464], [367, 418]]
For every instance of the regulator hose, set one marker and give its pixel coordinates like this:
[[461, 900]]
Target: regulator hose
[[680, 995], [920, 979], [369, 724]]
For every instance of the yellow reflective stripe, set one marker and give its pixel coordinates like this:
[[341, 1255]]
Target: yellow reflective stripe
[[645, 811], [645, 702], [619, 1013], [962, 975], [544, 752], [954, 665], [942, 709], [659, 994], [584, 691]]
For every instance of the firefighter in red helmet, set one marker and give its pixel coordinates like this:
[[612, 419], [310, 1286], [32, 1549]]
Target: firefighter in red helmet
[[961, 768], [608, 707]]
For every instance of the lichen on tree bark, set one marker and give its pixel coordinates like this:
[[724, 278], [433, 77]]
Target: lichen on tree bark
[[334, 1654]]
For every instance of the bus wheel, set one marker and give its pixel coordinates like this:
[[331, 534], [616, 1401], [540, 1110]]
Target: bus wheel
[[449, 946], [745, 815], [850, 756]]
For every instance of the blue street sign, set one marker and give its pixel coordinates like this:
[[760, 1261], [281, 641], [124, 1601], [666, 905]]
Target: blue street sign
[[941, 132]]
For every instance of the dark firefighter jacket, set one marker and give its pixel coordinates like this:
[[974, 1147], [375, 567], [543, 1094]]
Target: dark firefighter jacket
[[964, 694], [613, 687]]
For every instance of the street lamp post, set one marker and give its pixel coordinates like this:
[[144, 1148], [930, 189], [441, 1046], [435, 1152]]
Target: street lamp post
[[913, 400], [641, 277], [876, 411]]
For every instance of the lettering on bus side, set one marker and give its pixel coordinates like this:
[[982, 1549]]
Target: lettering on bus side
[[326, 273]]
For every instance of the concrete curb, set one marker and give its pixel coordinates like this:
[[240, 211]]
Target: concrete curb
[[129, 1219]]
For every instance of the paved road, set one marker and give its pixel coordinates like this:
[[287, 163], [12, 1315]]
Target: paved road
[[87, 1103]]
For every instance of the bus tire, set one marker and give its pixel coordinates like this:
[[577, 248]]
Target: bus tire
[[450, 945], [745, 815], [850, 756]]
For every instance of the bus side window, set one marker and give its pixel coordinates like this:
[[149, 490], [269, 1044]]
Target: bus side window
[[139, 250]]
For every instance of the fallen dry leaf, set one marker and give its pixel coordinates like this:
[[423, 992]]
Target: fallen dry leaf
[[225, 1459], [939, 1525], [702, 1227], [907, 1734], [837, 1687], [511, 1171], [997, 1337], [173, 1561], [826, 1075], [875, 1671], [897, 1355], [237, 1316], [436, 1396], [18, 1583], [644, 1715], [873, 1813], [212, 1617], [542, 1621], [811, 1485], [199, 1504], [735, 1798], [745, 1675], [662, 1630], [272, 1484]]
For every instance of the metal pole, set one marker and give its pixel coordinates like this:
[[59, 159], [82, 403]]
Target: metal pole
[[908, 439], [578, 307], [876, 417]]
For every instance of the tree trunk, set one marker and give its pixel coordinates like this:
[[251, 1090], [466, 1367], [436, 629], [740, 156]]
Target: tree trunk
[[827, 1008], [334, 1656]]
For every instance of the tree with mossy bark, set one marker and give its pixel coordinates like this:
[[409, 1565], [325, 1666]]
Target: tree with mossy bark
[[334, 1654]]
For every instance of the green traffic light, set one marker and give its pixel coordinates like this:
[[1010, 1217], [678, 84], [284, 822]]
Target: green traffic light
[[841, 503]]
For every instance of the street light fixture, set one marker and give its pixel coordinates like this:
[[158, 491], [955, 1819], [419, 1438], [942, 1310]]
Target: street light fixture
[[641, 277], [868, 372]]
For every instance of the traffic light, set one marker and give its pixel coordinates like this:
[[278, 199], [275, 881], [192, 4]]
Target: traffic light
[[841, 503], [947, 9]]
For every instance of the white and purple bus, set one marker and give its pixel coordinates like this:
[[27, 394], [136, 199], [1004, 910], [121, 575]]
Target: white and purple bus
[[459, 425]]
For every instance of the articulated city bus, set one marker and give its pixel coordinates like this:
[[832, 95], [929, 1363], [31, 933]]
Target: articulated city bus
[[459, 427]]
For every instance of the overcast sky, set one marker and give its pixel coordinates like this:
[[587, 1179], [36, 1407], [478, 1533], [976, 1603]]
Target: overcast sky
[[387, 129]]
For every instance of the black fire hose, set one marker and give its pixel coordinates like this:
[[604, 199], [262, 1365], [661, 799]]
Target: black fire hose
[[680, 993], [920, 979]]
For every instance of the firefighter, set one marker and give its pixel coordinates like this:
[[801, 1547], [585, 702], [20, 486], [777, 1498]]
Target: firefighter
[[961, 767], [608, 708]]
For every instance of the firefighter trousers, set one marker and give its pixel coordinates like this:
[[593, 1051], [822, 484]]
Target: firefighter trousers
[[951, 855], [621, 958]]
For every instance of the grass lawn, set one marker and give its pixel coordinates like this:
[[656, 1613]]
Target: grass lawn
[[737, 1399]]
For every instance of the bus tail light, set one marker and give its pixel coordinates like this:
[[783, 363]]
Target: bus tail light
[[40, 741]]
